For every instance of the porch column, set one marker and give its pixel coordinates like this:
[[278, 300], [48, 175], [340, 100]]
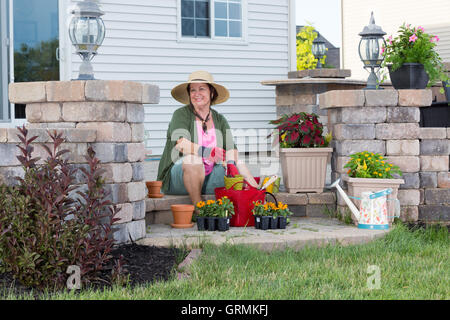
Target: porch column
[[107, 115], [387, 122]]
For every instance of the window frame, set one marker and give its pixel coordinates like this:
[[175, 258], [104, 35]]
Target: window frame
[[7, 32], [243, 40]]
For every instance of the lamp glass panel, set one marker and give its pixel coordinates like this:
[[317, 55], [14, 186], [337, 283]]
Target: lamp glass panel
[[93, 31], [315, 49], [322, 49], [81, 31], [370, 50], [101, 31]]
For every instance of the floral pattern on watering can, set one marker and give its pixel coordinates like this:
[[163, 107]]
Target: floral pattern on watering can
[[373, 210]]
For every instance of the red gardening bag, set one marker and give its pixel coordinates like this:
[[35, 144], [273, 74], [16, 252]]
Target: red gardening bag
[[242, 202]]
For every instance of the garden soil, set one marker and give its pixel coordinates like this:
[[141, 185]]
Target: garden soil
[[142, 264]]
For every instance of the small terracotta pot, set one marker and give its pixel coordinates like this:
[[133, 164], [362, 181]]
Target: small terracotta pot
[[154, 189], [182, 215]]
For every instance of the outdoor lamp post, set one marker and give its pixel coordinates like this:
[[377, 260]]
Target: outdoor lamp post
[[318, 50], [86, 32], [370, 50]]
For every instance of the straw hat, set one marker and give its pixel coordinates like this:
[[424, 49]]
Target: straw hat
[[180, 93]]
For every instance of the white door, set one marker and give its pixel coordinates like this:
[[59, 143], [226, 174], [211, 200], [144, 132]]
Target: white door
[[32, 32]]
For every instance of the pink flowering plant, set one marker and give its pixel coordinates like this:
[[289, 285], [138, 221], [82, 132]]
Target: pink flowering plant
[[414, 45]]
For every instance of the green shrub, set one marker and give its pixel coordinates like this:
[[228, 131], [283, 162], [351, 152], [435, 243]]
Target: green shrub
[[305, 58], [44, 228]]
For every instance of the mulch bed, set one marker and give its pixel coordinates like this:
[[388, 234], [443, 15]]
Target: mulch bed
[[143, 264]]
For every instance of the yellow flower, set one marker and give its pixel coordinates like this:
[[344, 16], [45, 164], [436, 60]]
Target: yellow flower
[[283, 136], [219, 201], [390, 165], [200, 204], [367, 155], [382, 162], [387, 169], [210, 202], [375, 172], [365, 165], [266, 206], [380, 174]]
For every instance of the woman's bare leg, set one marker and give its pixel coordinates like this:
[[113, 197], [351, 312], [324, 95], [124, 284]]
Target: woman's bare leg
[[193, 177]]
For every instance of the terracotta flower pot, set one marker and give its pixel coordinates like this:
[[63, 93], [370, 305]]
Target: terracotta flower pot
[[182, 215], [154, 189]]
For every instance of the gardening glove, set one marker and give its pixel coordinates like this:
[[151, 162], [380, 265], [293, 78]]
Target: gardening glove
[[212, 154], [232, 171]]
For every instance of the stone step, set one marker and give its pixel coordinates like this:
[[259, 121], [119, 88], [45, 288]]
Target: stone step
[[301, 204]]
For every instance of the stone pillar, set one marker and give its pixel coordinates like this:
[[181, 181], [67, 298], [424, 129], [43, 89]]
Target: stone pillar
[[299, 92], [107, 115], [387, 122]]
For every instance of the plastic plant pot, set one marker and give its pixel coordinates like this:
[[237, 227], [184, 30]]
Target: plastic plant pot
[[273, 222], [265, 222], [282, 222], [257, 222], [211, 223], [223, 224], [201, 223]]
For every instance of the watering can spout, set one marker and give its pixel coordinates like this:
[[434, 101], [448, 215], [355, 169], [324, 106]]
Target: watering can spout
[[347, 200]]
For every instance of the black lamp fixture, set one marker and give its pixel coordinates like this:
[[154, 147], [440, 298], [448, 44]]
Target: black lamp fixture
[[86, 32], [370, 50], [318, 50]]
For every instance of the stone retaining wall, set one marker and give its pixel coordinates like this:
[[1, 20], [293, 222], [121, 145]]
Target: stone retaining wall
[[107, 115], [387, 122]]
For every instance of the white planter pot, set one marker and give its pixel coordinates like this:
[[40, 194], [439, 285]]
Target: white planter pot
[[304, 169]]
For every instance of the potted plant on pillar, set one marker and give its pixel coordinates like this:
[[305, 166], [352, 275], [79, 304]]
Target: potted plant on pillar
[[368, 171], [304, 151], [412, 60]]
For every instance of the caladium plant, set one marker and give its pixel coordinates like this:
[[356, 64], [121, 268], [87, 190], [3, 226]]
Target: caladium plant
[[299, 130]]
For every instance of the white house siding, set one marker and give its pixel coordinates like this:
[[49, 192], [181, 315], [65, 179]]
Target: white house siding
[[141, 44], [433, 15]]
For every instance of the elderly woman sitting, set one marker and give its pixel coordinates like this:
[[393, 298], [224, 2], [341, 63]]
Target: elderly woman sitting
[[199, 139]]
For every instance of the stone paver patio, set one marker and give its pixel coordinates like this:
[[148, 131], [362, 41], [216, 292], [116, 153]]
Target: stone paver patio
[[299, 233]]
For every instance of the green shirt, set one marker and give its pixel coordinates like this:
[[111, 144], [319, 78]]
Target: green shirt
[[183, 125]]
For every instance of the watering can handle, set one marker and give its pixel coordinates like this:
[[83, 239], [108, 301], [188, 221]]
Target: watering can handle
[[381, 193], [276, 201], [232, 186]]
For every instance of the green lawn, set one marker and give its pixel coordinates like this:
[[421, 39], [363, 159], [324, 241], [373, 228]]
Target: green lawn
[[412, 265]]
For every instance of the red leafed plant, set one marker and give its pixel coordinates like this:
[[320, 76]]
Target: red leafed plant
[[300, 130], [48, 222]]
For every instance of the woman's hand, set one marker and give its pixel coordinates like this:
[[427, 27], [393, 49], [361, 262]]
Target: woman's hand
[[186, 147], [212, 154]]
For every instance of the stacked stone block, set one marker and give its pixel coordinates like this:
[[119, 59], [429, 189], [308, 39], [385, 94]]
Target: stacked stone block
[[301, 95], [387, 122], [106, 115]]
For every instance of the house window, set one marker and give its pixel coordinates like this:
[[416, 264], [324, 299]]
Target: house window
[[195, 18], [228, 18], [211, 19]]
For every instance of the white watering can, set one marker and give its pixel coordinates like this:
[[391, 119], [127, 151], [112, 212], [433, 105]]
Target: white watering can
[[373, 213]]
